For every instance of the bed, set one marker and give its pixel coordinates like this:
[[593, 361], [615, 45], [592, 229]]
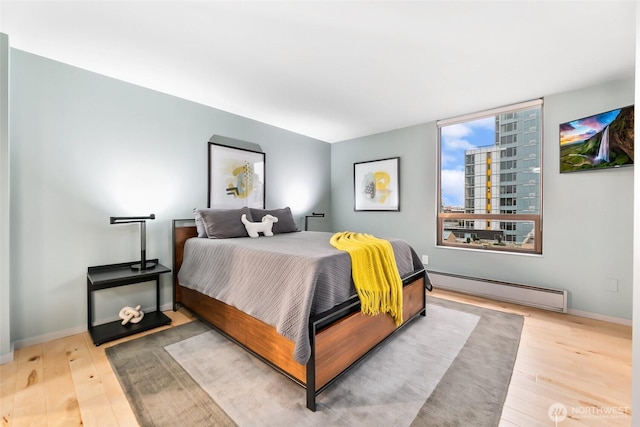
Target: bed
[[315, 345]]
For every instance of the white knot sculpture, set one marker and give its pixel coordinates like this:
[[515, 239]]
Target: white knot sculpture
[[130, 314]]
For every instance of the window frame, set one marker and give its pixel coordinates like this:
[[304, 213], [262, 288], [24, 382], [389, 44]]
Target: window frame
[[465, 218]]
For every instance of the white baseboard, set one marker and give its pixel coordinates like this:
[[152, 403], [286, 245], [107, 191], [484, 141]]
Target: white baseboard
[[40, 339], [7, 358], [27, 342], [603, 317]]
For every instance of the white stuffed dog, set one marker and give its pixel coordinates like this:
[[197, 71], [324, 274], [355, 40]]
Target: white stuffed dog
[[253, 228]]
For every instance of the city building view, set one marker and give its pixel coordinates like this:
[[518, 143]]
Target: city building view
[[501, 172]]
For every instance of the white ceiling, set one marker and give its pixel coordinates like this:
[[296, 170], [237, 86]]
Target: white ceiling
[[336, 70]]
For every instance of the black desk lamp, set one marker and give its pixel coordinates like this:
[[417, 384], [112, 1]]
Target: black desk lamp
[[313, 215], [144, 265]]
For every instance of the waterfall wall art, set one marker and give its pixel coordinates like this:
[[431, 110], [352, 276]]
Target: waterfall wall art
[[601, 141]]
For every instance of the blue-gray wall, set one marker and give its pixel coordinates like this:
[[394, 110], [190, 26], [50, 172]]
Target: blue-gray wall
[[587, 217], [85, 147]]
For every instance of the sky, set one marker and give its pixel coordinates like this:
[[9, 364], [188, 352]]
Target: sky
[[583, 129], [455, 139]]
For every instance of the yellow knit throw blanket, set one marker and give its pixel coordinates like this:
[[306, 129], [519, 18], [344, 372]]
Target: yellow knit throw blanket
[[375, 273]]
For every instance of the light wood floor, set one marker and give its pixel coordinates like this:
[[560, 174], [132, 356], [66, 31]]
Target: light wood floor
[[582, 364]]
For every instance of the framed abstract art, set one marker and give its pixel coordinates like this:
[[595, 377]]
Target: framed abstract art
[[377, 185], [236, 177]]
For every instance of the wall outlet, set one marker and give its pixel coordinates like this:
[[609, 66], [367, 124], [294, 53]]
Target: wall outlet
[[611, 285], [425, 259]]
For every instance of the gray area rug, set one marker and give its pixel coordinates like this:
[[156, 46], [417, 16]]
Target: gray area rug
[[455, 367], [389, 388]]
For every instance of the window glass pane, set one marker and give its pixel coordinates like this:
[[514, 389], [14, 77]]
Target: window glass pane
[[492, 166], [499, 235]]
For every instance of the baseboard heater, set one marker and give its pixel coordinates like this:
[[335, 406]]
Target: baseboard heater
[[532, 296]]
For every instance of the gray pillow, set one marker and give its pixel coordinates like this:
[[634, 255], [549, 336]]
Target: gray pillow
[[223, 223], [285, 224]]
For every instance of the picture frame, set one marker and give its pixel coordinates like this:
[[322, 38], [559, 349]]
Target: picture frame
[[376, 185], [236, 177], [600, 141]]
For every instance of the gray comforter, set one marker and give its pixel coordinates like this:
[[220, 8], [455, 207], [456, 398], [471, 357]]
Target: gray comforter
[[280, 280]]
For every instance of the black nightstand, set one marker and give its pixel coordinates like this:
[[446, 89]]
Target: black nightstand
[[114, 275]]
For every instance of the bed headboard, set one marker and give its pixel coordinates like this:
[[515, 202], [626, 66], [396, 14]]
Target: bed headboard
[[182, 229]]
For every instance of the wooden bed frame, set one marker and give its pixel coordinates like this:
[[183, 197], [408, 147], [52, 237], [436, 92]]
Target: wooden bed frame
[[339, 337]]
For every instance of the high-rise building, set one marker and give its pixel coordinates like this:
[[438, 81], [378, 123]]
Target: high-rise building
[[505, 178]]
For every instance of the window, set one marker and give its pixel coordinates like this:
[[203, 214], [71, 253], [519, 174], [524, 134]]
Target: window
[[507, 225], [507, 189], [490, 179], [508, 152], [508, 139], [508, 164], [509, 127], [508, 201], [511, 176]]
